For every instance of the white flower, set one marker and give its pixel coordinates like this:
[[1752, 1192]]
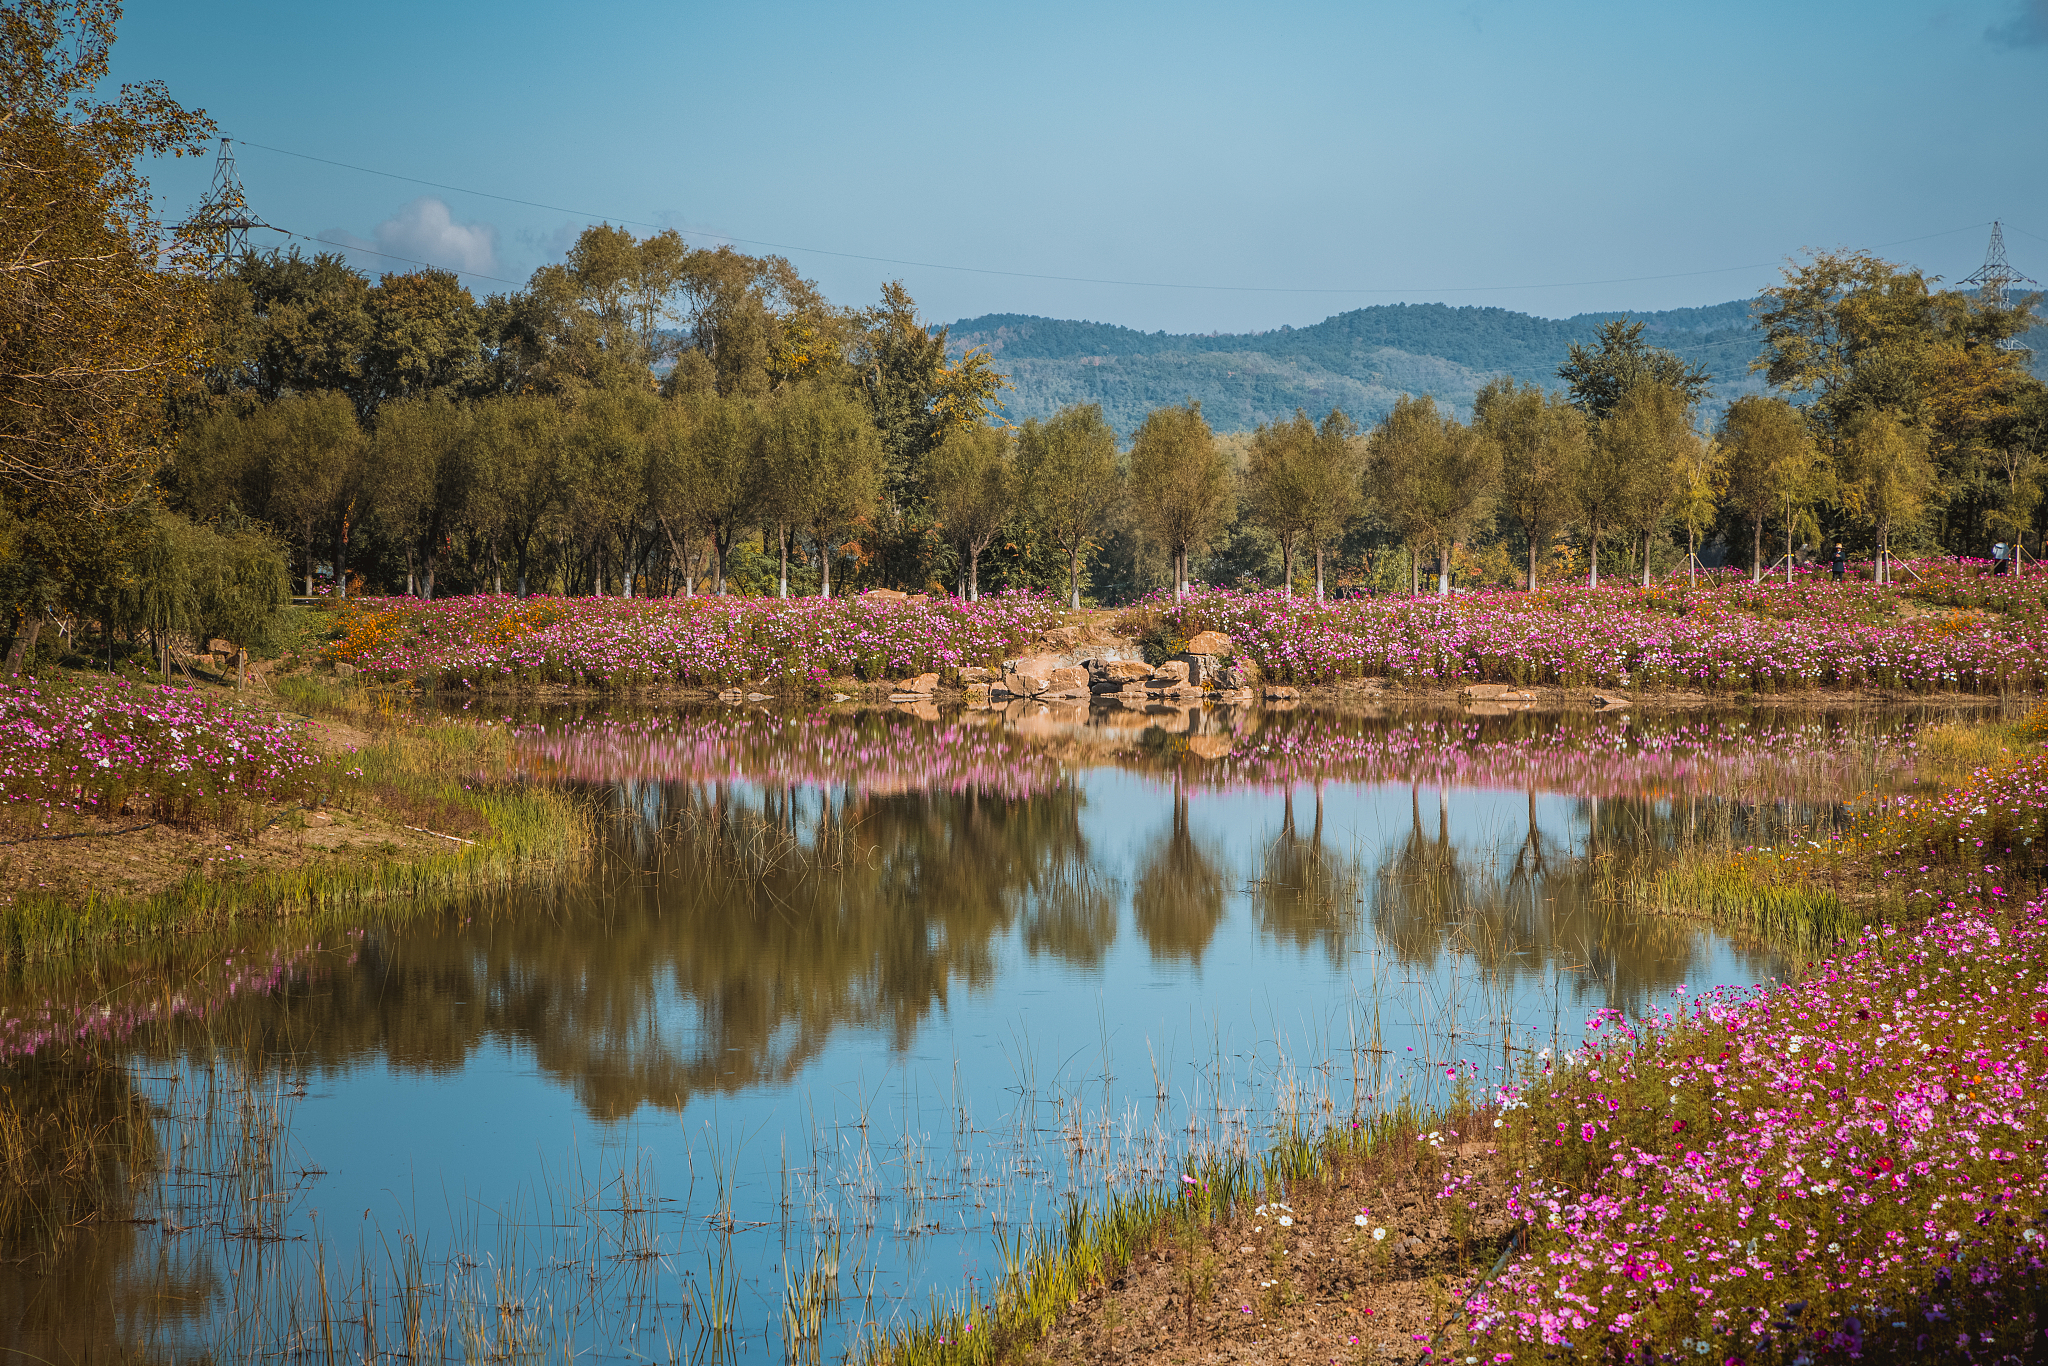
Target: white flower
[[1287, 1221], [1498, 1123], [1834, 1247], [1359, 1219], [1260, 1211], [1379, 1235]]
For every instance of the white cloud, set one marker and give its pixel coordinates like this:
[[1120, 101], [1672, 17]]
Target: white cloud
[[425, 232]]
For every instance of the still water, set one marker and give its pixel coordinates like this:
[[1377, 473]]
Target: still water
[[851, 1002]]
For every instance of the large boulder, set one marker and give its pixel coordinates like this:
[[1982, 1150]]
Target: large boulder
[[1210, 643]]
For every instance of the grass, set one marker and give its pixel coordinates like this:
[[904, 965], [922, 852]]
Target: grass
[[444, 780]]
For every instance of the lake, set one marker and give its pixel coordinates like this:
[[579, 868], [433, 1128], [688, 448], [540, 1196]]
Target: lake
[[844, 1006]]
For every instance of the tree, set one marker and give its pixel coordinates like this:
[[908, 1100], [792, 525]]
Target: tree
[[1644, 443], [1886, 476], [1280, 456], [1332, 495], [821, 468], [722, 455], [1702, 482], [915, 394], [973, 490], [1600, 377], [1069, 467], [425, 337], [99, 313], [422, 477], [1542, 442], [312, 444], [1432, 476], [520, 474], [1771, 460], [1180, 484]]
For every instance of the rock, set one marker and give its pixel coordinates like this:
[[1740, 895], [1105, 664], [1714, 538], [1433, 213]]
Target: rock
[[1486, 692], [884, 595], [1282, 694], [731, 695], [839, 697], [1238, 673], [344, 670], [1061, 637], [1119, 671], [923, 683], [1202, 669], [1070, 681], [977, 694], [757, 697], [1607, 700], [1210, 643], [974, 674], [217, 646], [1172, 672], [205, 662], [1210, 746]]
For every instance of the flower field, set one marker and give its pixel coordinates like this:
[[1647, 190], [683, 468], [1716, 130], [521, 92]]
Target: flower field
[[1717, 638], [103, 747], [692, 642], [1849, 1166]]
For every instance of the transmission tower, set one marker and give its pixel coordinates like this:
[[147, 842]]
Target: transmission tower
[[1995, 280], [222, 222]]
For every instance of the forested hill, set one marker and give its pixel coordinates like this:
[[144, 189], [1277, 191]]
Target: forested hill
[[1359, 361]]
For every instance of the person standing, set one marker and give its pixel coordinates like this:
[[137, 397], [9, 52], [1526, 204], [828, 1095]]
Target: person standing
[[1998, 560], [1838, 563]]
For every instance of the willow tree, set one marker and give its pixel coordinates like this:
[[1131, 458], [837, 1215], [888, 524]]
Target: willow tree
[[1433, 478], [1070, 473], [1886, 476], [1542, 442], [973, 489], [1180, 484]]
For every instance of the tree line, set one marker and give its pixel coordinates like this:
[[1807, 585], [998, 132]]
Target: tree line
[[647, 417]]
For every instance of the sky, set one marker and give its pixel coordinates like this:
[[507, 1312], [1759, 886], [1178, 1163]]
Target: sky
[[1187, 167]]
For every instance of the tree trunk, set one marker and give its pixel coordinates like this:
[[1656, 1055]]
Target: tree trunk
[[1593, 543], [824, 565], [24, 642], [782, 548], [1788, 545], [1756, 554], [974, 574], [1074, 578], [1414, 570], [340, 562], [1287, 565], [309, 559], [1443, 569], [1319, 571], [1646, 559], [1532, 565]]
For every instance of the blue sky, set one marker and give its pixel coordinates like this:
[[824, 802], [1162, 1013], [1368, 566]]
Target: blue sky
[[1273, 163]]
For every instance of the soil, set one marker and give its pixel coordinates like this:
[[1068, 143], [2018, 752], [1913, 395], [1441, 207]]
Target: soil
[[1319, 1290]]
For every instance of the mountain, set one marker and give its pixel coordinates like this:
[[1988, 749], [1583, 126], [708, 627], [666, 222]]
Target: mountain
[[1359, 361]]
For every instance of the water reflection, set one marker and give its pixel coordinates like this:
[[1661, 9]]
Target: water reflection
[[793, 916]]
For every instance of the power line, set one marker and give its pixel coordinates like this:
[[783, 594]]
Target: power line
[[1030, 275]]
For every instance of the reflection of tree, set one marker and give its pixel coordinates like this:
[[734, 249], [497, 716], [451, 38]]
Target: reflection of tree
[[1178, 902], [725, 949], [1304, 893], [1555, 910], [77, 1145]]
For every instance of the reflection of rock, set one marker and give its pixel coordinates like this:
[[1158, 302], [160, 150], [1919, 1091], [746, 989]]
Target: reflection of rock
[[731, 695], [1496, 692], [977, 694], [1280, 693], [1210, 746], [1606, 700], [922, 708], [1172, 720], [1210, 643]]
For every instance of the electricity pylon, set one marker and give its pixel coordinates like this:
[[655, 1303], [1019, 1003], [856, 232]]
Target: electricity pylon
[[1995, 280]]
